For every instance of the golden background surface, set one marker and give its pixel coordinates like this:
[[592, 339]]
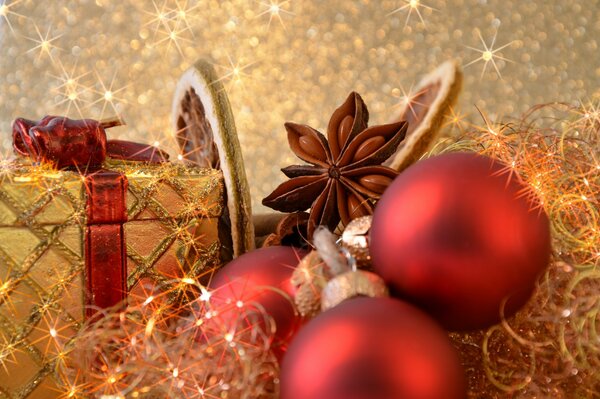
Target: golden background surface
[[287, 61]]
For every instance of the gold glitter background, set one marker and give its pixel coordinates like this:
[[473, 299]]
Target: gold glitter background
[[286, 60]]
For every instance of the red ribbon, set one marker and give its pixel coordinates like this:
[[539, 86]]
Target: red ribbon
[[68, 143], [105, 249], [82, 145]]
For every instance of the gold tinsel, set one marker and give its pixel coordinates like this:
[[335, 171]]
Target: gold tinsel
[[155, 350]]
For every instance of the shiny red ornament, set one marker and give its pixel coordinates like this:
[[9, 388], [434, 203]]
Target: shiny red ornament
[[260, 279], [461, 236], [372, 348]]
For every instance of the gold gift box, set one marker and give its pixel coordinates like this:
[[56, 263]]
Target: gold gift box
[[171, 234]]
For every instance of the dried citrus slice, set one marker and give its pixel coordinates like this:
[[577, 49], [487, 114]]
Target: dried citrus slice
[[207, 136], [431, 100]]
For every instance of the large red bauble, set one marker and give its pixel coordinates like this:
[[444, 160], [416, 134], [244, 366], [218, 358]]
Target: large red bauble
[[459, 234], [372, 348], [260, 279]]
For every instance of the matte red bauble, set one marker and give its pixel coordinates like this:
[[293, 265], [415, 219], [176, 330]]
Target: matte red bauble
[[260, 279], [372, 348], [461, 236]]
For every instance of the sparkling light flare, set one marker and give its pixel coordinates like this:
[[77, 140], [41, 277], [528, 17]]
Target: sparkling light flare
[[411, 6], [6, 10], [275, 9], [108, 95], [173, 25], [235, 73], [489, 54], [43, 43], [70, 89]]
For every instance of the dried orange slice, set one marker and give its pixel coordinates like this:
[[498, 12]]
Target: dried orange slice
[[431, 100], [205, 126]]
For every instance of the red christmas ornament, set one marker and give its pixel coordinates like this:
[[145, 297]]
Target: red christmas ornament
[[372, 348], [261, 279], [459, 234]]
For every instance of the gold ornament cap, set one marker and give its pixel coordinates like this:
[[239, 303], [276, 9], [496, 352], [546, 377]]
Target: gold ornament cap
[[351, 284]]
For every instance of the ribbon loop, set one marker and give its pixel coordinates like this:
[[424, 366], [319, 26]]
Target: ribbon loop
[[71, 143]]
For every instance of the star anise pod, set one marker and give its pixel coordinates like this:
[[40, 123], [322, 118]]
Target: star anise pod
[[345, 175]]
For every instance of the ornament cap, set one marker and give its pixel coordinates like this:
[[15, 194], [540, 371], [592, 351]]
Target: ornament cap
[[352, 284]]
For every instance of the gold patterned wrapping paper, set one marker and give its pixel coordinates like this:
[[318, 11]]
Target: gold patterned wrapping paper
[[172, 234]]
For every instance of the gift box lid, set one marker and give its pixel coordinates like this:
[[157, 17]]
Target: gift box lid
[[38, 194]]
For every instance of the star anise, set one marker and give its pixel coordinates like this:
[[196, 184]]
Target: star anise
[[345, 176]]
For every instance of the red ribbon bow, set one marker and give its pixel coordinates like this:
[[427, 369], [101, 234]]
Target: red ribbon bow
[[81, 143]]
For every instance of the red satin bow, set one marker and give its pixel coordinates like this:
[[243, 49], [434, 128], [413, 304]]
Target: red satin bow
[[81, 143]]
